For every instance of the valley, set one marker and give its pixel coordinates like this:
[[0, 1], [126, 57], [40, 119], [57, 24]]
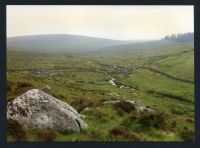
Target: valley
[[156, 74]]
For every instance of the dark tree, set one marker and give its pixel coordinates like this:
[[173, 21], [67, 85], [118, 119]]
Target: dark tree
[[181, 37]]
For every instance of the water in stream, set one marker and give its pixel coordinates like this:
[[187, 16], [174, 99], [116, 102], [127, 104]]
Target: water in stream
[[112, 82]]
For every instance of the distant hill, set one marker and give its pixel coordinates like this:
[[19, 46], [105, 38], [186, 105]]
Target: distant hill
[[159, 47], [66, 43], [59, 43]]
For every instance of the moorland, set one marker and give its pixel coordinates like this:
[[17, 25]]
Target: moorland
[[87, 71]]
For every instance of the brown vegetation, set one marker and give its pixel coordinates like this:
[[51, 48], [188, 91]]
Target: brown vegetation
[[16, 130], [123, 133], [46, 135], [20, 87], [186, 134], [124, 107]]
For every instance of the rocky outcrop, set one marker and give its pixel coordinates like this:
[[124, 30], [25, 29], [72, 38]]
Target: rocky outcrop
[[132, 103], [37, 110]]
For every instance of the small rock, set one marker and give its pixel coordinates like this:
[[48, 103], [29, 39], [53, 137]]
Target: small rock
[[145, 109], [46, 89], [86, 109], [111, 102], [114, 94]]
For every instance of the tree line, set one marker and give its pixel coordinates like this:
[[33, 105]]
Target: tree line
[[181, 37]]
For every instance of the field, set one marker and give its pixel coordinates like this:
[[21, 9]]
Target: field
[[159, 75]]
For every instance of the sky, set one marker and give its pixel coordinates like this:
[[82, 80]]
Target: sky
[[115, 22]]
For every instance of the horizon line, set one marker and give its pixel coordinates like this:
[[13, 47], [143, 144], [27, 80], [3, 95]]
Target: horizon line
[[100, 37]]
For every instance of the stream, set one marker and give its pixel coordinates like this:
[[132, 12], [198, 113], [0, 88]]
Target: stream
[[112, 82]]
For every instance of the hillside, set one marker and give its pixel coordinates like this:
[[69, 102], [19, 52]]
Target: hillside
[[59, 43], [158, 75], [150, 48]]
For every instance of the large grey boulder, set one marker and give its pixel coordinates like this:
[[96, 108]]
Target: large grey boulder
[[37, 110]]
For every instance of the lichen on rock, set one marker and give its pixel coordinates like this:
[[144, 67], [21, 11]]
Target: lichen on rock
[[37, 110]]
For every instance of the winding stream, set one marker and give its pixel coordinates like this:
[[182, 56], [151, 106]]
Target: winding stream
[[112, 82]]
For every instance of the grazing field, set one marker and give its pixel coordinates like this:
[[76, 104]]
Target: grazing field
[[157, 74]]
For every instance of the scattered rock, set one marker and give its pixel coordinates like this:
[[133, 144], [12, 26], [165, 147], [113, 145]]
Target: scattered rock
[[123, 86], [114, 94], [86, 109], [46, 89], [132, 102], [37, 110], [111, 102], [145, 109]]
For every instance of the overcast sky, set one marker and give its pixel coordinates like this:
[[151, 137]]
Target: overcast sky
[[116, 22]]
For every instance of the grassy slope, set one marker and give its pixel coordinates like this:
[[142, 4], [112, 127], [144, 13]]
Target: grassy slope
[[79, 77], [180, 65], [151, 48]]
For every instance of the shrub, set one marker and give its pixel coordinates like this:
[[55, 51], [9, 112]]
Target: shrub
[[147, 120], [123, 133], [16, 130], [22, 87], [186, 134], [157, 120], [124, 107], [24, 84], [46, 135], [172, 125]]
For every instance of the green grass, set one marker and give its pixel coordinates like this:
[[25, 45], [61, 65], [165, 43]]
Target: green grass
[[181, 65], [75, 77], [155, 83]]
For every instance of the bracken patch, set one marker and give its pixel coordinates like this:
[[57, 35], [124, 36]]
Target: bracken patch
[[46, 135], [124, 107], [16, 130], [124, 134]]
